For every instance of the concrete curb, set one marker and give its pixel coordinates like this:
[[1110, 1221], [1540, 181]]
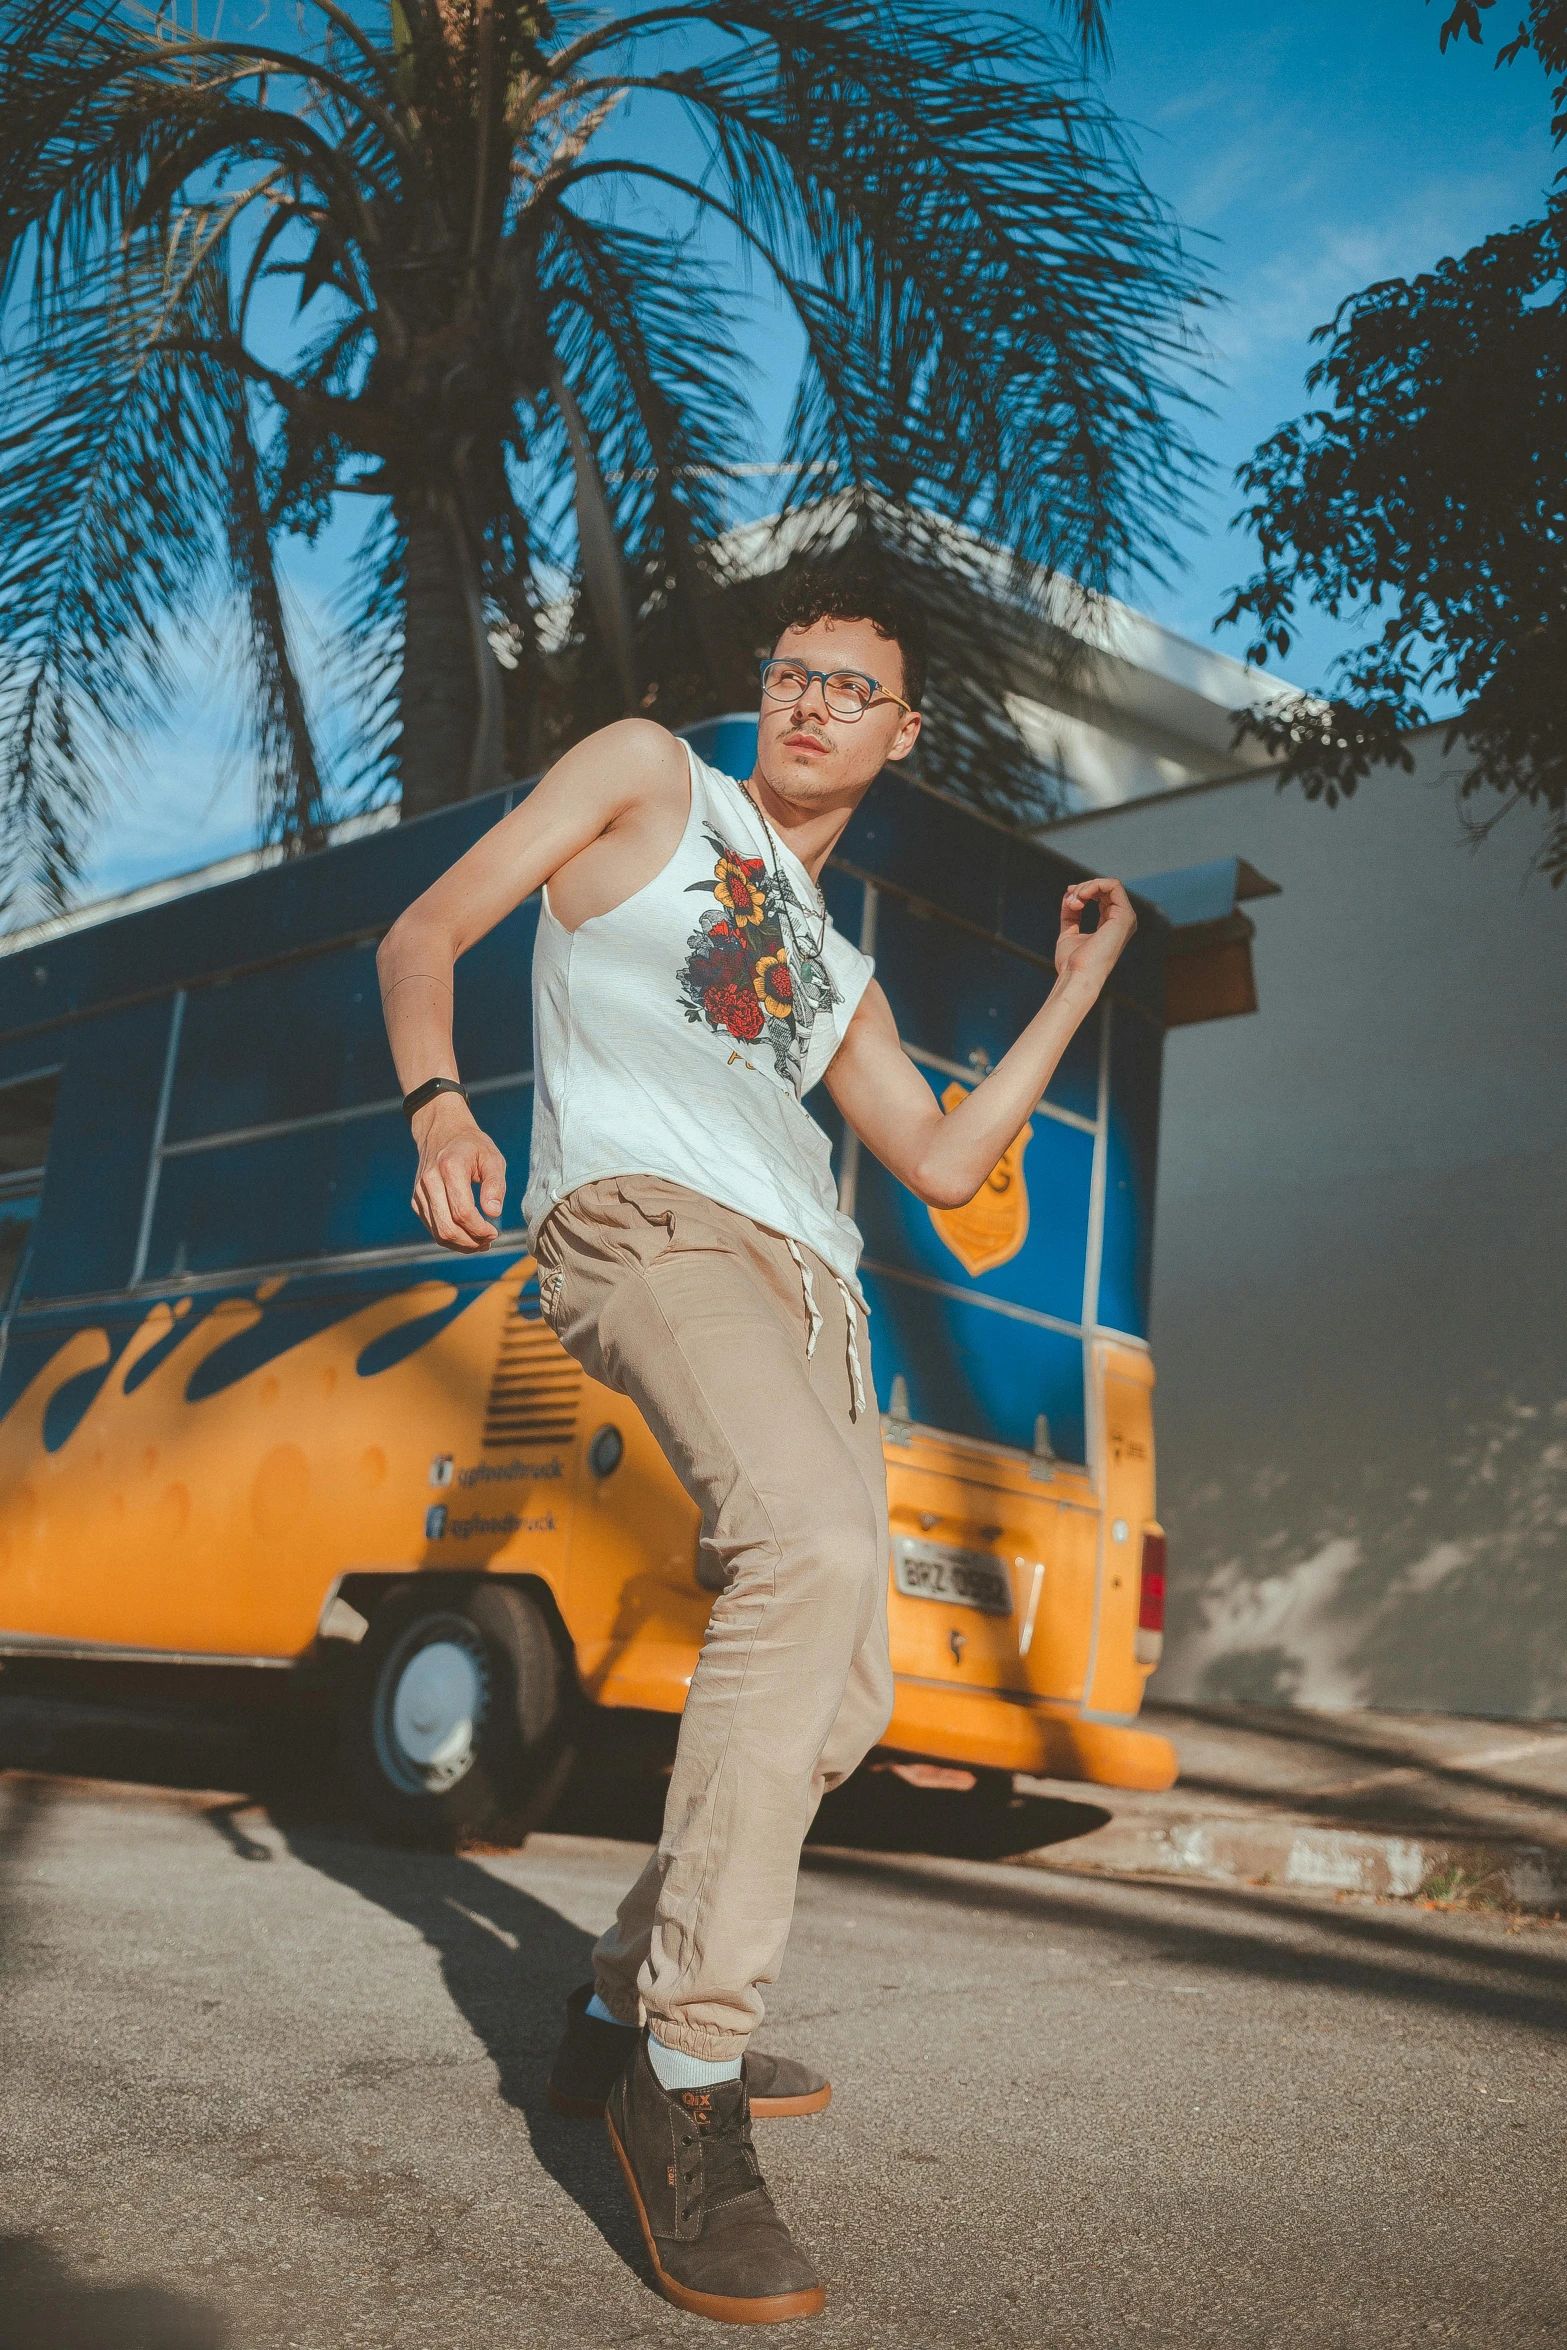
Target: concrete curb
[[1337, 1860]]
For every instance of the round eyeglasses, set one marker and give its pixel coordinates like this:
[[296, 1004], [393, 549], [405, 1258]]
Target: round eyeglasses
[[848, 693]]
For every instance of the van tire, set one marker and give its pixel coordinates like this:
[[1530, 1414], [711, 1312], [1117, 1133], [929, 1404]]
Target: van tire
[[456, 1722]]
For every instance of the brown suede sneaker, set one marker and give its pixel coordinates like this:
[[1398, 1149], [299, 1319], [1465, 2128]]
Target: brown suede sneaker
[[717, 2245], [592, 2056]]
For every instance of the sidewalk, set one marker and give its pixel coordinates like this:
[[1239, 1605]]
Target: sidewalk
[[1431, 1805]]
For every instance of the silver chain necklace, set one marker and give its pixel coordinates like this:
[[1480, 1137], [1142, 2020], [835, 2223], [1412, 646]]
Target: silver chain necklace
[[785, 894]]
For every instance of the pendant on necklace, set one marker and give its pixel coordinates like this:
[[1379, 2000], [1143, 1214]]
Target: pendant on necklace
[[808, 958]]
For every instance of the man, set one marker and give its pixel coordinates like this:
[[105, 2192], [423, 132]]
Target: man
[[689, 989]]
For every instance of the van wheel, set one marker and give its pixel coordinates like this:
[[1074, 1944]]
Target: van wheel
[[456, 1723]]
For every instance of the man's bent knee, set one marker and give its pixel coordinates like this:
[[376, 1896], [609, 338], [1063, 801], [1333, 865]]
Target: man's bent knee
[[829, 1547]]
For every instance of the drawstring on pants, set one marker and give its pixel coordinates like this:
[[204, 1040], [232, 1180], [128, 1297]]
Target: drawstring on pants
[[813, 1315], [851, 1318]]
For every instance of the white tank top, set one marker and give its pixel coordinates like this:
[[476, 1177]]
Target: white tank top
[[677, 1034]]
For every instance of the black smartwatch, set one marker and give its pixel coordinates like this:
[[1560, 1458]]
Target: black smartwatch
[[427, 1092]]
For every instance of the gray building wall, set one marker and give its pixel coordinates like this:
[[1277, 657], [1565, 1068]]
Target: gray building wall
[[1360, 1287]]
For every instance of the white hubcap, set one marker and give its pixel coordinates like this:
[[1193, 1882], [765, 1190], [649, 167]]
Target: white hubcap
[[436, 1709]]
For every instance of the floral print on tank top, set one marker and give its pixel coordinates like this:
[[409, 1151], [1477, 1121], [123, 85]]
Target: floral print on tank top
[[746, 973]]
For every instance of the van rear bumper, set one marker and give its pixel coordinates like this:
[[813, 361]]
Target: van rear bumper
[[993, 1730]]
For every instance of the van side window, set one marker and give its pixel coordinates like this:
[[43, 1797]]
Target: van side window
[[26, 1121], [284, 1139]]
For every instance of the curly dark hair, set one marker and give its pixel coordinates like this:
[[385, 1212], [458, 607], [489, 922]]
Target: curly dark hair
[[854, 591]]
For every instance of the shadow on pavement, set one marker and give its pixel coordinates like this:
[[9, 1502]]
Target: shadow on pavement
[[877, 1812], [75, 1729], [44, 2307], [284, 1761], [1219, 1929], [1405, 1784], [507, 1961], [25, 1804]]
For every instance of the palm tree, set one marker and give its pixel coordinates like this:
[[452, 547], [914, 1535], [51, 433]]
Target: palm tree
[[519, 236]]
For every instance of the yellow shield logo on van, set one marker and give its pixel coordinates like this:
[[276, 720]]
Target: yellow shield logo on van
[[994, 1225]]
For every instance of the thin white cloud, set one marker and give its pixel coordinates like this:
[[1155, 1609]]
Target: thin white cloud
[[1280, 302]]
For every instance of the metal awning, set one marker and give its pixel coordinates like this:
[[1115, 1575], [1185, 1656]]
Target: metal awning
[[1210, 974]]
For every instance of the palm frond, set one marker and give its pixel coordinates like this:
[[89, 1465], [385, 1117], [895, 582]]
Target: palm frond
[[112, 462], [293, 802], [511, 233]]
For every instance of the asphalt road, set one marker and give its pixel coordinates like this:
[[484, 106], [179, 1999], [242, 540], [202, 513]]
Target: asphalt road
[[266, 2086]]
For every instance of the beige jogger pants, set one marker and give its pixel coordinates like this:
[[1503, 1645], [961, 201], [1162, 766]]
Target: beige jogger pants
[[744, 1370]]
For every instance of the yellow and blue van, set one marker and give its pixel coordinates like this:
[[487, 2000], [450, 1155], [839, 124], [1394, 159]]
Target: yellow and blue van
[[250, 1416]]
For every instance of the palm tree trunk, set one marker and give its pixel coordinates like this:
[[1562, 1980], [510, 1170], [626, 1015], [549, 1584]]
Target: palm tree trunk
[[449, 696]]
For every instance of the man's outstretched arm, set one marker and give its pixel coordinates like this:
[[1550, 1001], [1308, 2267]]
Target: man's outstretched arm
[[944, 1159], [599, 784]]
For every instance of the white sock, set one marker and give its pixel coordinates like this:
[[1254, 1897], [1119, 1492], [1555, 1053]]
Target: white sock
[[675, 2070], [600, 2013]]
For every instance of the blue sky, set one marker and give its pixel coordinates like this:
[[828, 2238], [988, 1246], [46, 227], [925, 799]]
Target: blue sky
[[1308, 149], [1313, 146]]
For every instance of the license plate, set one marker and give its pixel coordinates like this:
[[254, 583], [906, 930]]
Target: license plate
[[963, 1578]]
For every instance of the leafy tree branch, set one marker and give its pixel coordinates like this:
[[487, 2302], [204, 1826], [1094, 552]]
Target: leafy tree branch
[[1432, 492]]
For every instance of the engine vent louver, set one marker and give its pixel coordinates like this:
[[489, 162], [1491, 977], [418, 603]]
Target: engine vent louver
[[534, 1392]]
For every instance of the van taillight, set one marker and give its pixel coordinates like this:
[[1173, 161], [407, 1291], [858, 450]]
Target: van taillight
[[1150, 1605], [1150, 1612]]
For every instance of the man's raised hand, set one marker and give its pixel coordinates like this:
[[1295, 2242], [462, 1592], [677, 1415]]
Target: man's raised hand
[[455, 1156], [1089, 957]]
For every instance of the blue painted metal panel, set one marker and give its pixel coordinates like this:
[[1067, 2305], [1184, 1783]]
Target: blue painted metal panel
[[285, 1196], [729, 744], [975, 1372], [1132, 1145], [305, 1038], [294, 907], [320, 1190], [29, 1347], [916, 842], [24, 1056], [92, 1198], [1046, 1274], [492, 1023], [296, 1041], [507, 1118], [958, 996], [845, 903]]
